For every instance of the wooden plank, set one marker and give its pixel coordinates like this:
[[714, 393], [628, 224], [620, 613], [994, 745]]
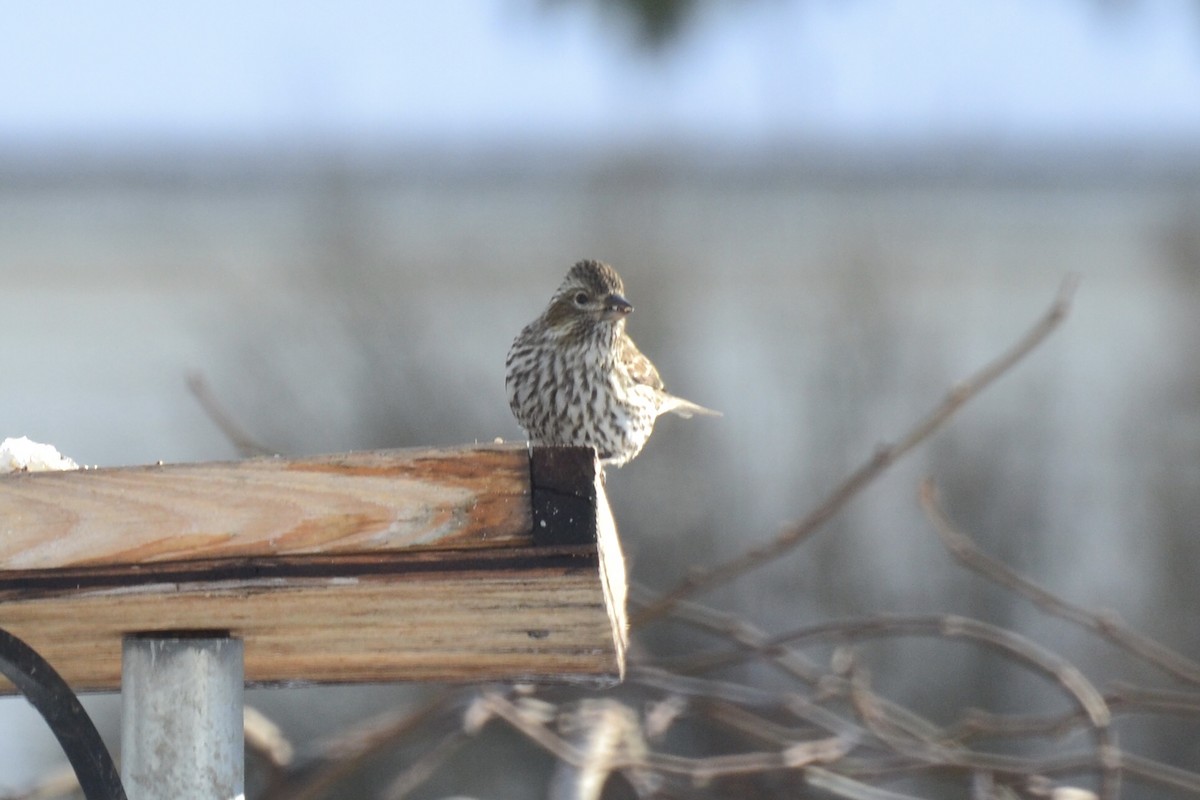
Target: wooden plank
[[564, 496], [382, 566], [374, 501], [535, 623]]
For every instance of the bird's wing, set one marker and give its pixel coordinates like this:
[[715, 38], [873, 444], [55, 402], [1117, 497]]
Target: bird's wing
[[640, 368], [642, 371]]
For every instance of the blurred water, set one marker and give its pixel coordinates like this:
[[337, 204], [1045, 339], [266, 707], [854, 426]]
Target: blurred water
[[337, 308]]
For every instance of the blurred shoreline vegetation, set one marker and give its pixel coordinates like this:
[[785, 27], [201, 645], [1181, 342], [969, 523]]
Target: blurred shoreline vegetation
[[817, 162], [654, 26]]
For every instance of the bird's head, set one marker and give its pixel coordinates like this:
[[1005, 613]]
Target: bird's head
[[591, 298]]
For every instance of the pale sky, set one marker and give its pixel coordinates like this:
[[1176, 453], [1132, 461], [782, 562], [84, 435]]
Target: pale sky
[[473, 72]]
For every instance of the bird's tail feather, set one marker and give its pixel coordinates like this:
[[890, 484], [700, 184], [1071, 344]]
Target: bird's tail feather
[[686, 408]]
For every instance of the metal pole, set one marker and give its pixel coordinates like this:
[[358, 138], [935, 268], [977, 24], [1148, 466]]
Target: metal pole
[[181, 717]]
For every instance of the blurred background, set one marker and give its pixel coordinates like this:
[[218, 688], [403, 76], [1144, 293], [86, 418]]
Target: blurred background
[[826, 212]]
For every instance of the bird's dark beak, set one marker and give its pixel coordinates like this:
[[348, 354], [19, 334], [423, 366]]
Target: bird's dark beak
[[616, 307]]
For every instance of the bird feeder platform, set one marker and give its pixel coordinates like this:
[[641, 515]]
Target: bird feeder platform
[[465, 564]]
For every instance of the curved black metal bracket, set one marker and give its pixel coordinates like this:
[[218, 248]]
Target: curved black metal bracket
[[52, 697]]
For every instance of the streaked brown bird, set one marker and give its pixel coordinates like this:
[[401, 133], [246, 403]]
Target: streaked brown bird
[[574, 376]]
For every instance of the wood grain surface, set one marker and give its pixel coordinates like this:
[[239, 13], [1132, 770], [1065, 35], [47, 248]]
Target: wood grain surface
[[360, 567], [518, 624], [372, 501]]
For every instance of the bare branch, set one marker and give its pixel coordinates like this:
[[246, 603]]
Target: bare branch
[[1008, 643], [705, 578], [738, 631], [967, 553], [793, 756], [1121, 699], [735, 693], [343, 754], [419, 771], [1159, 773], [848, 788]]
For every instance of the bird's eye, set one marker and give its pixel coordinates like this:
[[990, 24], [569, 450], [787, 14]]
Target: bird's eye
[[581, 298]]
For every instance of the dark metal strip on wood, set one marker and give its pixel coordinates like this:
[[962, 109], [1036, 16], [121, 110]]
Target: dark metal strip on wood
[[28, 584], [47, 692], [563, 481]]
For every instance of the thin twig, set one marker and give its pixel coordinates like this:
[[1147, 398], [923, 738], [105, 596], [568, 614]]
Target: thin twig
[[746, 723], [246, 445], [1121, 699], [735, 693], [923, 749], [791, 662], [792, 756], [1139, 698], [735, 629], [705, 578], [1160, 773], [966, 552], [948, 626], [419, 771], [1139, 768], [346, 752], [1008, 643], [848, 788]]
